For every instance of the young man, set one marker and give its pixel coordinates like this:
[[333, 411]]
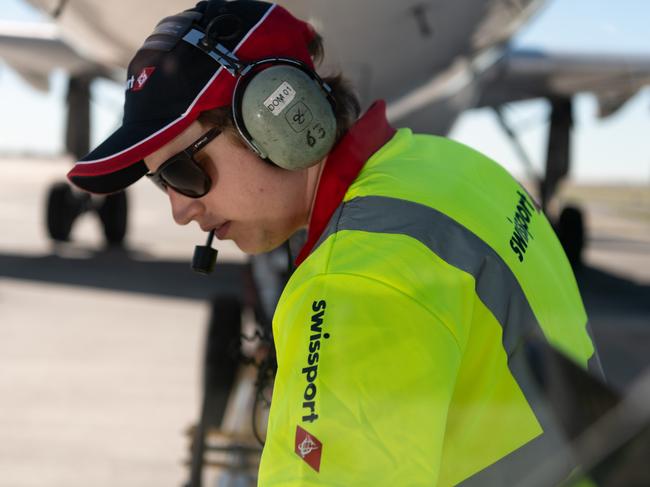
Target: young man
[[401, 337]]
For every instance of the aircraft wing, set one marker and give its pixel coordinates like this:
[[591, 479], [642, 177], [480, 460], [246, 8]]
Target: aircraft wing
[[526, 74], [36, 49]]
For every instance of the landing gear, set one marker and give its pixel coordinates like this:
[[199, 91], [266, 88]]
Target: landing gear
[[220, 364], [238, 372], [569, 226], [570, 230], [112, 212], [65, 205], [224, 436]]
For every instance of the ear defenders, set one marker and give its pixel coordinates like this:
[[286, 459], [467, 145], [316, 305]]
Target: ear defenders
[[282, 109]]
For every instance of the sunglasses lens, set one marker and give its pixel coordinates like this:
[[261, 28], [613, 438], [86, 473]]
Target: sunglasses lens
[[186, 177]]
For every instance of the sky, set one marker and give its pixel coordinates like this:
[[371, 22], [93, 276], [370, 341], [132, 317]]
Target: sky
[[615, 149]]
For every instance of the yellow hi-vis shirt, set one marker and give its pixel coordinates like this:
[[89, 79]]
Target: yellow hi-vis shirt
[[400, 338]]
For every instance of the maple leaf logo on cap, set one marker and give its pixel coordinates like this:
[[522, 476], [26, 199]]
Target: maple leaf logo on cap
[[309, 448]]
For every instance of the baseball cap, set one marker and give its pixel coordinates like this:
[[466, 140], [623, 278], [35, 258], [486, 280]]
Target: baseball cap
[[170, 82]]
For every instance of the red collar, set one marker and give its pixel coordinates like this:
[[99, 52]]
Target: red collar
[[342, 167]]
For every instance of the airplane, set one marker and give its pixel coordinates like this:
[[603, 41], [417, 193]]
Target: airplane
[[459, 57]]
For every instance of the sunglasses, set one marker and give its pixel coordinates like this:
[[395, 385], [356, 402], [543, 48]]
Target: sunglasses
[[182, 173]]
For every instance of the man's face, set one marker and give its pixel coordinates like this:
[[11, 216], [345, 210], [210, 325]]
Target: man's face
[[251, 202]]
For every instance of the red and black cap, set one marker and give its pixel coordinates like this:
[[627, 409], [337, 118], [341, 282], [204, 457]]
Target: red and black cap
[[170, 82]]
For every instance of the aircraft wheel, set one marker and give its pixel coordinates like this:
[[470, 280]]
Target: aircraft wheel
[[62, 210], [571, 232], [113, 214]]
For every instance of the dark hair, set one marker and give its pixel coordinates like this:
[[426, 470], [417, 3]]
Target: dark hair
[[346, 109]]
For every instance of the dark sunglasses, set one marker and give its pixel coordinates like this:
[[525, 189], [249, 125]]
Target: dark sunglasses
[[182, 173]]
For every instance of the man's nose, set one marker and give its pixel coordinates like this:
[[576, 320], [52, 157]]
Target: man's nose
[[184, 209]]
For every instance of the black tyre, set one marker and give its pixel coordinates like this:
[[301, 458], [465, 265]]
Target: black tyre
[[62, 210], [571, 232], [221, 358], [113, 214], [220, 364]]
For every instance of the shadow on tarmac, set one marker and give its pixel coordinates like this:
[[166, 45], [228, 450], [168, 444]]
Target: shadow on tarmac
[[619, 313], [119, 269], [618, 308]]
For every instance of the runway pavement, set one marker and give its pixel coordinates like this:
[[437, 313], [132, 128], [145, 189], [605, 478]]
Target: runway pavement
[[96, 387], [100, 350]]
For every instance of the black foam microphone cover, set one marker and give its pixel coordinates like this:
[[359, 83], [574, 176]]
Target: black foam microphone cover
[[205, 257]]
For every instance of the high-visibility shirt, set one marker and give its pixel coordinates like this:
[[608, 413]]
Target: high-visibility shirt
[[400, 335]]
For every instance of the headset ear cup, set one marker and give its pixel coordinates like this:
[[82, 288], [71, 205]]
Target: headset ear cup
[[285, 114]]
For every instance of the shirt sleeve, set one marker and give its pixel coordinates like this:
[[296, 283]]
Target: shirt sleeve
[[365, 379]]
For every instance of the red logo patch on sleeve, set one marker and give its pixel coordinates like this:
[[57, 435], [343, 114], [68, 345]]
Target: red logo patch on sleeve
[[308, 448]]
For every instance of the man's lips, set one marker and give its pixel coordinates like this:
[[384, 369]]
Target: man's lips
[[209, 227], [222, 230]]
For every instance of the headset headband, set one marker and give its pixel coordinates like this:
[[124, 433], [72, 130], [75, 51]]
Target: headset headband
[[216, 51]]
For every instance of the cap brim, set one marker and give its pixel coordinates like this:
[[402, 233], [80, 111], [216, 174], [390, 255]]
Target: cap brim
[[118, 161]]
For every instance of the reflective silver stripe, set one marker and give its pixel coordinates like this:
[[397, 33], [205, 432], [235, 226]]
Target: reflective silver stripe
[[521, 467], [496, 286]]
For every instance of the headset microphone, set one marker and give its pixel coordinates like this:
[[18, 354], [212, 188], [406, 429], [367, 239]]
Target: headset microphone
[[205, 257]]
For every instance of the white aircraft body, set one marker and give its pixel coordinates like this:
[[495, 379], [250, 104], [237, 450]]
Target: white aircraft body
[[429, 59], [418, 55]]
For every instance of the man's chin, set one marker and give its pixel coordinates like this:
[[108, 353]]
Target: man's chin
[[256, 248]]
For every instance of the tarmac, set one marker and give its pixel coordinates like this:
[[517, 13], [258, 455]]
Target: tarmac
[[100, 350]]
